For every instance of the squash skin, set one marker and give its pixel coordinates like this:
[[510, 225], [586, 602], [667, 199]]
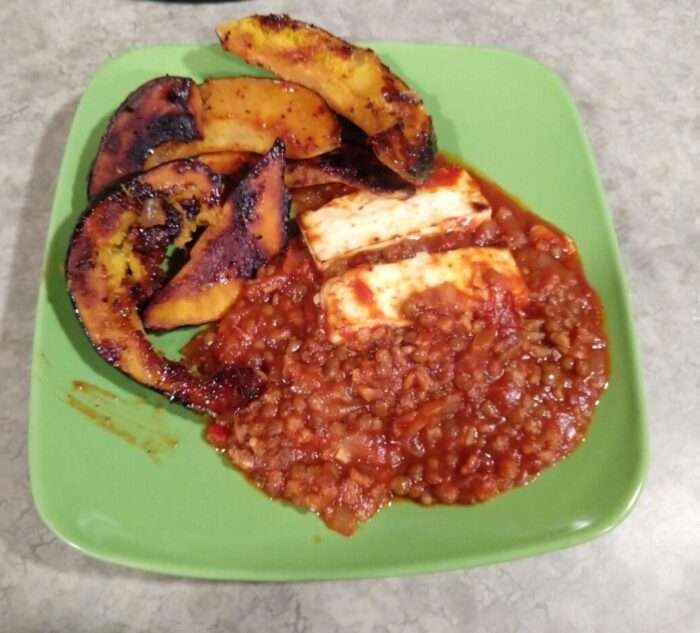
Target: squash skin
[[351, 165], [163, 109], [354, 166], [113, 267], [252, 228], [352, 80]]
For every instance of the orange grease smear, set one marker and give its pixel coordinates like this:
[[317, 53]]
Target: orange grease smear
[[134, 421]]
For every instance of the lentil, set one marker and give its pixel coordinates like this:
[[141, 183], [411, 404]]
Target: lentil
[[454, 409]]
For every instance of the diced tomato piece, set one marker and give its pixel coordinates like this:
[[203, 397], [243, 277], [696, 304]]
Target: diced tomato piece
[[217, 435]]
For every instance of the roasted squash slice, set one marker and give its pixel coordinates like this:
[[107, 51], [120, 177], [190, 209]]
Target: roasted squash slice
[[352, 80], [163, 109], [171, 118], [251, 229], [249, 113], [315, 196], [353, 166], [114, 266], [232, 164]]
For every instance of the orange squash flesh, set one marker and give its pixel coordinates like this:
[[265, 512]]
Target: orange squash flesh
[[251, 228]]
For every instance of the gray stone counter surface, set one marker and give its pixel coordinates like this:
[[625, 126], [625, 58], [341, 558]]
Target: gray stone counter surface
[[634, 70]]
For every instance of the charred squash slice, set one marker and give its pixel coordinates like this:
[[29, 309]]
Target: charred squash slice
[[349, 164], [232, 164], [249, 113], [353, 166], [251, 229], [114, 266], [315, 196], [352, 80], [170, 118], [163, 109]]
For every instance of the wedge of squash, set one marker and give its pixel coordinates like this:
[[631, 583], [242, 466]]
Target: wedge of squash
[[352, 80], [114, 266], [251, 229], [315, 196], [249, 113], [170, 118], [163, 109], [351, 165], [232, 164]]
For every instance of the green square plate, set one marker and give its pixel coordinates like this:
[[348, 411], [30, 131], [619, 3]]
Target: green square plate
[[128, 478]]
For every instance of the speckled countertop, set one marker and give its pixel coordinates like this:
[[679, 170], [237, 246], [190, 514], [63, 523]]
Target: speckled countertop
[[632, 67]]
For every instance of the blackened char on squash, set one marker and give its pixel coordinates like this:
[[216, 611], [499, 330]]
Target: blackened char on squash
[[163, 109], [114, 266], [251, 228], [352, 80], [352, 165]]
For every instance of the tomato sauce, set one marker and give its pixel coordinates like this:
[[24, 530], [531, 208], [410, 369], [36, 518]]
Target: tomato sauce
[[456, 408]]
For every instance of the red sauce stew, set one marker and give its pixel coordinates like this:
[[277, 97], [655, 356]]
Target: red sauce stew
[[456, 408]]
